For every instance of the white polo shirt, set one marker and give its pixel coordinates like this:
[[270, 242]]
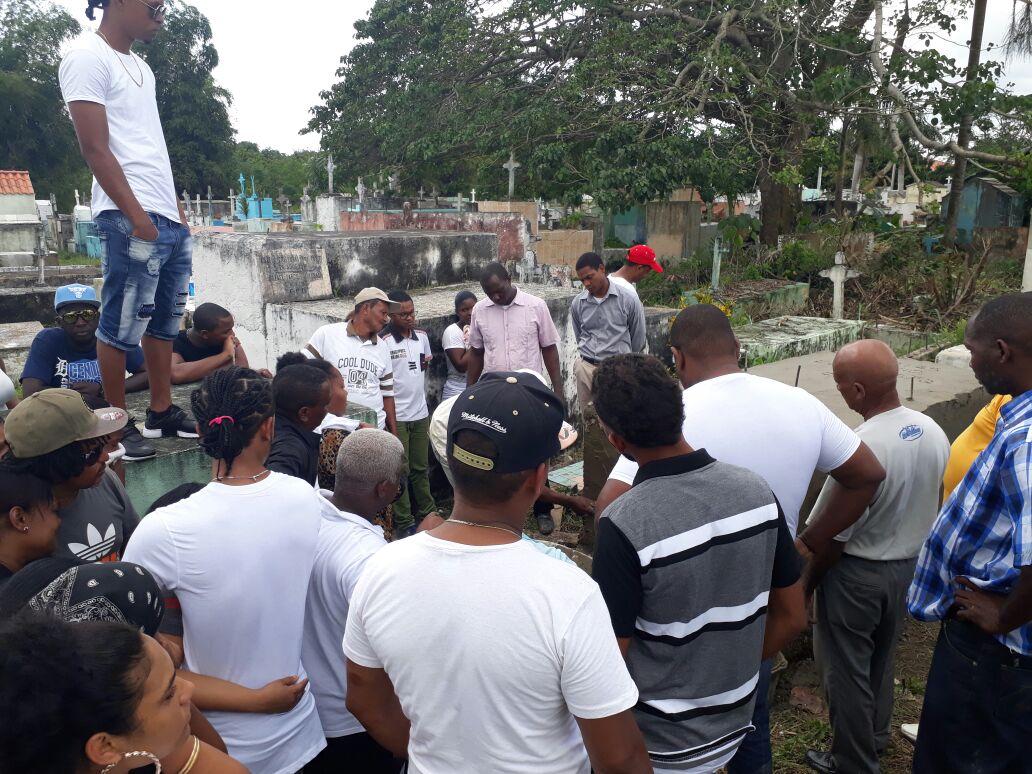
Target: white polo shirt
[[346, 541], [365, 364], [407, 358]]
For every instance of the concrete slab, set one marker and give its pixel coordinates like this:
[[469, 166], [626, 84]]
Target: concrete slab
[[951, 396], [15, 340], [955, 357], [179, 460], [790, 336]]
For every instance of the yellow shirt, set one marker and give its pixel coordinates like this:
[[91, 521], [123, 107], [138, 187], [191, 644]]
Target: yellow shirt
[[971, 442]]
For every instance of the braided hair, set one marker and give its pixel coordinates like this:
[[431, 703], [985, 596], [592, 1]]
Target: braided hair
[[230, 406], [93, 5]]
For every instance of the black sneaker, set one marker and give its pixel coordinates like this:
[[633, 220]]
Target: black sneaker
[[136, 448], [170, 423], [546, 524]]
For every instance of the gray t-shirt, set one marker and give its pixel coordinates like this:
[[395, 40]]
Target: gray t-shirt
[[913, 449], [98, 523]]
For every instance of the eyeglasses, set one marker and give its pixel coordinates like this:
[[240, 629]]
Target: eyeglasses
[[157, 12], [401, 491], [411, 315], [69, 318]]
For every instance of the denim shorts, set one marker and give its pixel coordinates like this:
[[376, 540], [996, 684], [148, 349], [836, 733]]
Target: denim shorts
[[145, 283]]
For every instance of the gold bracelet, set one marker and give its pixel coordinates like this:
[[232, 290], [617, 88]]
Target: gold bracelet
[[193, 757]]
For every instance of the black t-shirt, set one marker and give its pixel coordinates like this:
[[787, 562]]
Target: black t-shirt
[[190, 352]]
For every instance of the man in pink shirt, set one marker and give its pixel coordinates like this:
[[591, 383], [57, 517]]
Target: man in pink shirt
[[510, 330]]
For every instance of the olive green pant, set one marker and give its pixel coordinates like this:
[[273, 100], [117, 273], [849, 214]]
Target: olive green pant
[[415, 437]]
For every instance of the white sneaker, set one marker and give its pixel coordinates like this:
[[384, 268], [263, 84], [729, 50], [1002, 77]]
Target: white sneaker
[[909, 731]]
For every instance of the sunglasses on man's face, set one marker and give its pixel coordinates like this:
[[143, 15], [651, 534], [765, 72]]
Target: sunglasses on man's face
[[69, 318], [157, 12]]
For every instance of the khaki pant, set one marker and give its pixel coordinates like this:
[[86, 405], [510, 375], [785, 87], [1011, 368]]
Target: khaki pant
[[599, 454]]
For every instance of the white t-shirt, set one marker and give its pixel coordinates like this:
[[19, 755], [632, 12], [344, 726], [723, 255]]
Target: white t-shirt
[[365, 365], [92, 71], [625, 283], [779, 432], [407, 357], [913, 449], [452, 338], [520, 644], [239, 559], [346, 541]]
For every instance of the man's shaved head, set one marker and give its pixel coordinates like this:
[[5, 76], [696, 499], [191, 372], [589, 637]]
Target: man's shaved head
[[865, 374], [703, 331], [870, 362]]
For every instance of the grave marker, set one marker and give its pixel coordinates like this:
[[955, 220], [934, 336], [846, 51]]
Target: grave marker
[[511, 166]]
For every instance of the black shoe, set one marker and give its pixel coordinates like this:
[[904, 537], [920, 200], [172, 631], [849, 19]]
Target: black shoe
[[824, 762], [546, 525], [136, 448], [170, 423]]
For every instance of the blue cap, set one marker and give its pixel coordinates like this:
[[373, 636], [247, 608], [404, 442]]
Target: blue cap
[[75, 294]]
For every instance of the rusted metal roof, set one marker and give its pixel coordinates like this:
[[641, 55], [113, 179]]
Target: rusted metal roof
[[13, 182]]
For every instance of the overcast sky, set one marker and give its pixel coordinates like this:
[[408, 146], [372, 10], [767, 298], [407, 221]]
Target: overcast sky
[[275, 58]]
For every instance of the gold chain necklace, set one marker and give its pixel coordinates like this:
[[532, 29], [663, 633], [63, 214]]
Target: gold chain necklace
[[122, 61], [253, 478], [510, 530]]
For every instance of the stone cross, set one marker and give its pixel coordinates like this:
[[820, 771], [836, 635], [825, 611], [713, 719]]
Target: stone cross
[[473, 195], [838, 274], [511, 165], [330, 166], [78, 203], [284, 204], [421, 192], [232, 204], [197, 205], [361, 190]]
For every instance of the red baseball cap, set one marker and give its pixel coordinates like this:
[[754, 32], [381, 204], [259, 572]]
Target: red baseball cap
[[644, 255]]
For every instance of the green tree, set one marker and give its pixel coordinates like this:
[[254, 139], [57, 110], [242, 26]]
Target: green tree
[[274, 172], [35, 131], [194, 109]]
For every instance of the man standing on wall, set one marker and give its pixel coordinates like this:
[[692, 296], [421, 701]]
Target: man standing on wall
[[608, 319], [110, 94]]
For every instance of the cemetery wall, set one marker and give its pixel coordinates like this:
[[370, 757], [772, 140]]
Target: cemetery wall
[[528, 210], [511, 227], [562, 246]]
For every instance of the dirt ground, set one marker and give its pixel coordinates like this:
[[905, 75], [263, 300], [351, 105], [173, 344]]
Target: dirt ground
[[794, 730]]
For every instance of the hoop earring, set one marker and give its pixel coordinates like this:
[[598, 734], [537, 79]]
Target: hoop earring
[[134, 754]]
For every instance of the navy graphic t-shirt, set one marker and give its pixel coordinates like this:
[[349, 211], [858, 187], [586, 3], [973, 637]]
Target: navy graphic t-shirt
[[57, 363]]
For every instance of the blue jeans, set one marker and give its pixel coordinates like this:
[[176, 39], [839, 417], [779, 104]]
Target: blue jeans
[[754, 755], [977, 714], [145, 283]]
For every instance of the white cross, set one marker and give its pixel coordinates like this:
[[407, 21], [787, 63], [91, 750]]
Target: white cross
[[512, 165]]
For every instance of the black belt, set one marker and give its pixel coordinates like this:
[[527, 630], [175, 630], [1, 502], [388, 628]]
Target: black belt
[[589, 361], [980, 644]]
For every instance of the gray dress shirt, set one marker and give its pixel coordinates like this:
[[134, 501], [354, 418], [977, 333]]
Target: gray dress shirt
[[612, 325]]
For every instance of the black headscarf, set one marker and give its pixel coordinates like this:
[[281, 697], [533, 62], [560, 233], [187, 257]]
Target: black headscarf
[[106, 591]]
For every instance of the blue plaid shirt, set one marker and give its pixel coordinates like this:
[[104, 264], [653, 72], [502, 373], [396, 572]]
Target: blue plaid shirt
[[984, 531]]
